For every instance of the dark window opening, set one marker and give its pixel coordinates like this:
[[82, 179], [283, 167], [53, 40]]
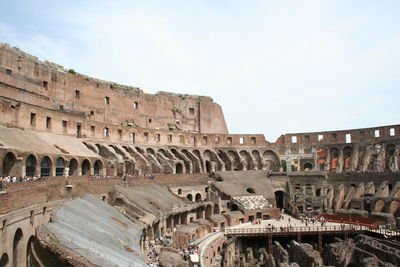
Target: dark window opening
[[250, 190], [77, 94], [45, 85], [33, 119], [92, 130], [120, 134], [48, 122], [135, 105], [64, 126], [78, 130], [191, 111], [107, 100], [146, 136], [106, 132]]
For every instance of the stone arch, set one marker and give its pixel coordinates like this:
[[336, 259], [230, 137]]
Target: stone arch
[[30, 258], [162, 151], [195, 162], [179, 168], [186, 161], [247, 160], [189, 197], [85, 167], [308, 166], [257, 157], [73, 167], [98, 167], [234, 158], [4, 260], [150, 151], [198, 155], [271, 161], [379, 205], [30, 165], [17, 247], [280, 199], [45, 166], [390, 157], [224, 157], [198, 197], [60, 166], [9, 161]]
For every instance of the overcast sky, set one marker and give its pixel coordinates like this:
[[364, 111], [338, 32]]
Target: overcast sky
[[274, 66]]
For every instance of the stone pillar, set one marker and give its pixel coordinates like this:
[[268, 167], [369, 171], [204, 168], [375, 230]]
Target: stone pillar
[[341, 161]]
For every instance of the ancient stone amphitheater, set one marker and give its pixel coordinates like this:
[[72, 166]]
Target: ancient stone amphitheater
[[96, 173]]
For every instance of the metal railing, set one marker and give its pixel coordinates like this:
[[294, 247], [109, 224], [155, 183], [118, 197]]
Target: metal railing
[[311, 229]]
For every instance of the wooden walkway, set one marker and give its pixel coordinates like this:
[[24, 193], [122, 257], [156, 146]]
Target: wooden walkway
[[298, 232]]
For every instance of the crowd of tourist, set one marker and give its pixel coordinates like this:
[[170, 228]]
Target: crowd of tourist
[[15, 179], [191, 250]]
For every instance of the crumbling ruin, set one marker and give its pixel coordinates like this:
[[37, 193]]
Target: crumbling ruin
[[164, 170]]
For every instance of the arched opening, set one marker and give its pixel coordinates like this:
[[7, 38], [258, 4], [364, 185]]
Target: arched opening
[[45, 167], [150, 151], [390, 157], [30, 165], [208, 166], [271, 161], [234, 207], [86, 167], [8, 163], [30, 259], [280, 199], [179, 168], [189, 197], [60, 165], [73, 167], [198, 197], [17, 247], [307, 166], [98, 167], [4, 260]]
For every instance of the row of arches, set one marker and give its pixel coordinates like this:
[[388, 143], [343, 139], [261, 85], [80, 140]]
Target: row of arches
[[21, 255], [45, 166], [378, 158], [127, 160]]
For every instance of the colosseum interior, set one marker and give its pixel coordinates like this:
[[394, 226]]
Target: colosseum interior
[[96, 173]]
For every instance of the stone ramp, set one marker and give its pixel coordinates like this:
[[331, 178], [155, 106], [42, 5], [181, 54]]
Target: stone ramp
[[97, 232]]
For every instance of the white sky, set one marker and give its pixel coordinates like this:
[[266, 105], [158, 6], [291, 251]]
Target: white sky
[[275, 67]]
